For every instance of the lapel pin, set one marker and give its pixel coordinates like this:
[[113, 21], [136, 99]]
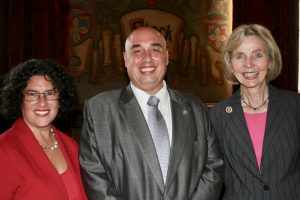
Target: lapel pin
[[184, 112], [229, 109]]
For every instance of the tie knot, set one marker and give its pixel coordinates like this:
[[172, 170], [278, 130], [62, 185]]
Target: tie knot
[[153, 101]]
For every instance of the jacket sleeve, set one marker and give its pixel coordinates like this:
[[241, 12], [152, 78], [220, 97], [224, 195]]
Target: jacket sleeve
[[9, 181], [211, 181], [97, 181]]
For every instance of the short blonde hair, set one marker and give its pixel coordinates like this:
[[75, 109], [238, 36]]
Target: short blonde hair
[[235, 40]]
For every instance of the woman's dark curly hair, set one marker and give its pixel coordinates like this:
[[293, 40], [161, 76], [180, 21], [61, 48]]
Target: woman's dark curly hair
[[16, 81]]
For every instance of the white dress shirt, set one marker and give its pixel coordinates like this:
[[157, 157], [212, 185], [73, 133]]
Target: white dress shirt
[[164, 104]]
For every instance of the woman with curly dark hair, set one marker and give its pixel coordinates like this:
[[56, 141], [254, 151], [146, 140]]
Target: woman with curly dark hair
[[37, 160]]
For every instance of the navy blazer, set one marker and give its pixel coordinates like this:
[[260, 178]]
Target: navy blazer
[[118, 157], [279, 175]]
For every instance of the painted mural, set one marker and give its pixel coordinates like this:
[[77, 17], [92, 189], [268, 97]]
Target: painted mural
[[195, 31]]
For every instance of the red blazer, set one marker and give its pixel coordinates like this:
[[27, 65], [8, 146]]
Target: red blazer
[[26, 172]]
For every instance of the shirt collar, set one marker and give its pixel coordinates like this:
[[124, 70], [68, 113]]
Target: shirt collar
[[143, 96]]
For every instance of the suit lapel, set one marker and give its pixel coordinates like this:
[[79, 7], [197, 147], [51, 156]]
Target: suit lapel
[[276, 112], [140, 131], [36, 154], [179, 139], [236, 123]]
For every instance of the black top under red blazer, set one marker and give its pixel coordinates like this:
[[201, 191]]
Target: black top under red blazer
[[279, 176]]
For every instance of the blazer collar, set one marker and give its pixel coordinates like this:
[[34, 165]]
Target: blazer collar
[[236, 122], [30, 146], [276, 112], [277, 108]]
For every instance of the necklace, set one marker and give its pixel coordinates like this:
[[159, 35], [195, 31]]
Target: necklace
[[250, 106], [55, 142]]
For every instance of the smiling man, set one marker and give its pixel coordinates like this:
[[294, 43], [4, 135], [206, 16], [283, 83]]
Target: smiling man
[[146, 141]]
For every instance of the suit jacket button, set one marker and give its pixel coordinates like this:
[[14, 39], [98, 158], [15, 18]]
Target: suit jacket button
[[266, 188]]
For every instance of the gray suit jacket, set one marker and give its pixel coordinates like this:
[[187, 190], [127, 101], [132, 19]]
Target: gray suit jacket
[[118, 157], [279, 178]]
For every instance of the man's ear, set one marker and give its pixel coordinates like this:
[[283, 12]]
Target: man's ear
[[125, 58], [167, 57]]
